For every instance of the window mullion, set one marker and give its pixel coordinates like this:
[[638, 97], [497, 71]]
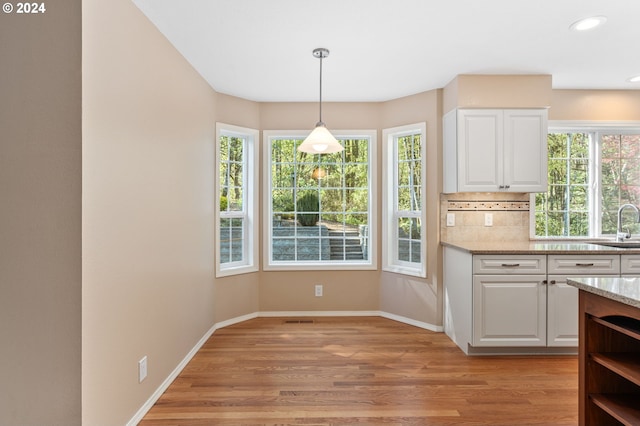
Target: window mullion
[[602, 166], [304, 247], [595, 187]]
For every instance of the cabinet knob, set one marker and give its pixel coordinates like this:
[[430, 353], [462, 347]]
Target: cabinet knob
[[552, 282], [501, 187]]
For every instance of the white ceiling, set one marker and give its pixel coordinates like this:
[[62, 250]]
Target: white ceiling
[[385, 49]]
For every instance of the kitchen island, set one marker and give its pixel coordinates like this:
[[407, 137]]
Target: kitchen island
[[609, 350], [513, 297]]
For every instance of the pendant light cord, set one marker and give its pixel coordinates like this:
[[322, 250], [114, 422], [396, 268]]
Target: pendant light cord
[[321, 89]]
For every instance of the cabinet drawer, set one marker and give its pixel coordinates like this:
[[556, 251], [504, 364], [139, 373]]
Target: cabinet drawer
[[506, 264], [584, 264], [630, 264]]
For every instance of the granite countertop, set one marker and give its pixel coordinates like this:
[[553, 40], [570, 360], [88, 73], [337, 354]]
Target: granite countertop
[[623, 290], [537, 247]]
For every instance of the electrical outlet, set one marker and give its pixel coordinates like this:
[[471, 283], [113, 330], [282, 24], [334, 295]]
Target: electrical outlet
[[488, 219], [142, 369], [451, 219], [318, 290]]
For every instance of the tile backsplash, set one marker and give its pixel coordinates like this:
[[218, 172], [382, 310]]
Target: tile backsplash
[[509, 214]]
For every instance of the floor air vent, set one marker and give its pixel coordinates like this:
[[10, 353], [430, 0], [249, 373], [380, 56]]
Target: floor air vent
[[298, 321]]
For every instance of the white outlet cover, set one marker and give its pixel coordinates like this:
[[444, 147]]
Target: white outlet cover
[[318, 290], [142, 369], [488, 219], [451, 219]]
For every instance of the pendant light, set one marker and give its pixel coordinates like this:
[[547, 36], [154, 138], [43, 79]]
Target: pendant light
[[320, 140]]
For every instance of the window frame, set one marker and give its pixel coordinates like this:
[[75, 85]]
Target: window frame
[[250, 212], [268, 265], [390, 213], [595, 129]]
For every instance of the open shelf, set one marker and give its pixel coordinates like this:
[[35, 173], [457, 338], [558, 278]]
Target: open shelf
[[627, 326], [609, 362], [626, 365], [623, 408]]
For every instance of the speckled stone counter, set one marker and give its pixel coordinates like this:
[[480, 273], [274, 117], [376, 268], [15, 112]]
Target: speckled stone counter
[[537, 247], [623, 290]]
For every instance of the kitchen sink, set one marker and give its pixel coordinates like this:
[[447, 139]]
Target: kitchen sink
[[619, 244]]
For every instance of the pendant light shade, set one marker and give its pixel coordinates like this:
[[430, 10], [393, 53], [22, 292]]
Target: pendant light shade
[[320, 140]]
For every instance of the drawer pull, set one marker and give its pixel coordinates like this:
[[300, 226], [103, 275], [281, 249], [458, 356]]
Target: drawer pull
[[584, 264], [510, 265]]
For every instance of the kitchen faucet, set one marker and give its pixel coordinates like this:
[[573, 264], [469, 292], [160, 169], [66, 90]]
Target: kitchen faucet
[[621, 235]]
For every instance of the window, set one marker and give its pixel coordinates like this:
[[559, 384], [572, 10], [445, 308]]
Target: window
[[236, 203], [320, 207], [592, 170], [404, 174]]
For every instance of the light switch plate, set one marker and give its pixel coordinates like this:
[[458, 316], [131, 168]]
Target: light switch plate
[[142, 369], [451, 219]]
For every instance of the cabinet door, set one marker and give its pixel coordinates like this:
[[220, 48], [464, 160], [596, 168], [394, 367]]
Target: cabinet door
[[562, 312], [509, 310], [525, 150], [480, 134], [630, 265]]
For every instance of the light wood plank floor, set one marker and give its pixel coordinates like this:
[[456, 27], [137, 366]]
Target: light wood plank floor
[[361, 371]]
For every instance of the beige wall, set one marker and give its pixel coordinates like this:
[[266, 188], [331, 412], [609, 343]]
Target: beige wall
[[498, 91], [236, 296], [610, 105], [343, 291], [414, 298], [287, 291], [148, 132], [40, 217], [237, 111]]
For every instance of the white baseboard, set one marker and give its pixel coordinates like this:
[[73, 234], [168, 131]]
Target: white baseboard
[[236, 320], [319, 314], [165, 384], [176, 371], [409, 321]]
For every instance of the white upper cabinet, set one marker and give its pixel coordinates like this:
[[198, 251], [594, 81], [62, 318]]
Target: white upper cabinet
[[491, 150]]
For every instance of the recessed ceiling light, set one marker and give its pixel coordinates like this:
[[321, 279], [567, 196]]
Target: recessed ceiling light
[[635, 79], [588, 23]]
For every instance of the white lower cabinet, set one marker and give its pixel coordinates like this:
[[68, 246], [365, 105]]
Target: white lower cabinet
[[630, 265], [509, 310], [507, 301], [562, 312], [562, 299], [526, 301]]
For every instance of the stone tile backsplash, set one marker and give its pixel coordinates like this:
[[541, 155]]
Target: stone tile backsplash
[[510, 216]]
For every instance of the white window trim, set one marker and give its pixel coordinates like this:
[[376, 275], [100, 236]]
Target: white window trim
[[251, 187], [593, 126], [371, 264], [390, 261]]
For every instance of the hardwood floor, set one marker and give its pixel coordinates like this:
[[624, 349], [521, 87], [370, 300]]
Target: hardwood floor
[[361, 371]]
